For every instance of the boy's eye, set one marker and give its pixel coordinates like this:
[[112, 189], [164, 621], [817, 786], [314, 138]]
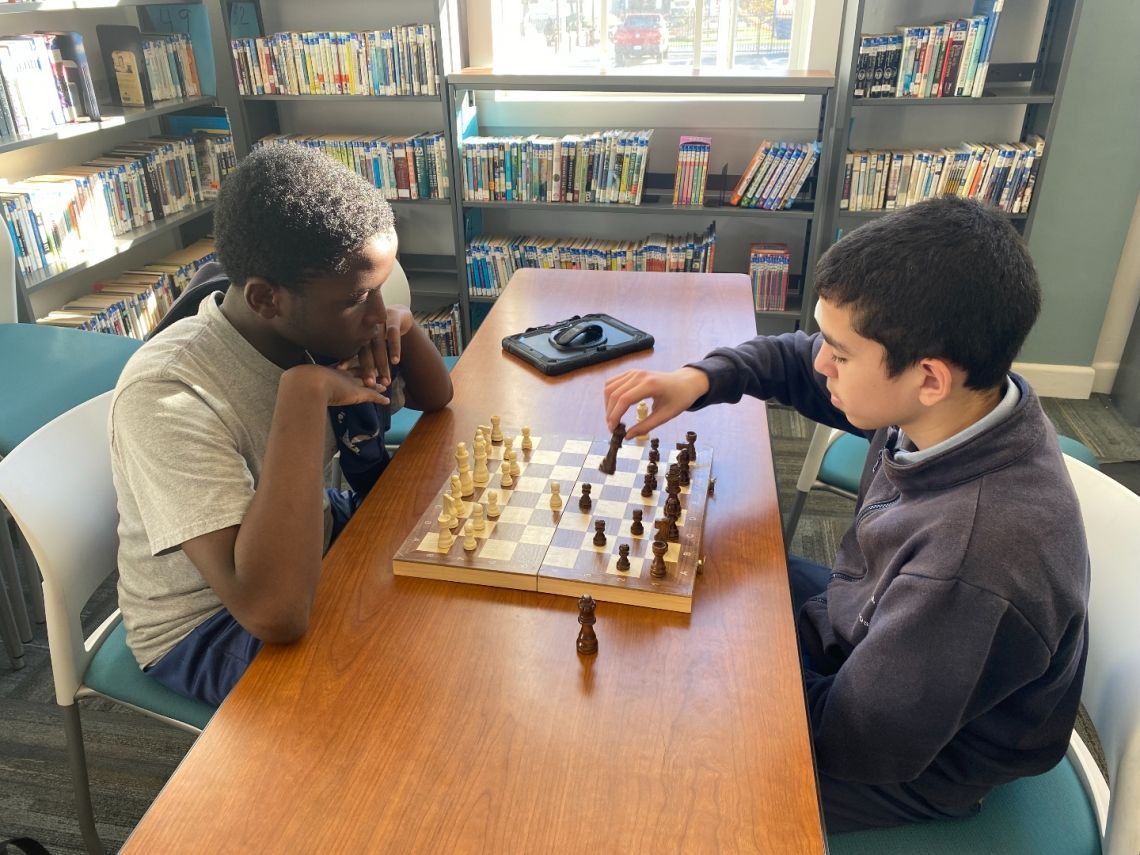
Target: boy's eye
[[359, 298], [839, 360]]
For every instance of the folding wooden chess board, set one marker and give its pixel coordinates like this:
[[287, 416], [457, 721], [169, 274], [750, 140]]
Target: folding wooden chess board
[[531, 547]]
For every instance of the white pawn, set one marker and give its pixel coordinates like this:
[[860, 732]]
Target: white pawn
[[642, 411], [477, 517], [527, 445], [555, 496], [446, 539], [469, 541], [515, 469], [446, 515], [493, 509], [485, 431], [506, 480], [496, 431], [462, 457]]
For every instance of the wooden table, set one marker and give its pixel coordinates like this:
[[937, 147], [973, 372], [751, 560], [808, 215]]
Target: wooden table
[[425, 716]]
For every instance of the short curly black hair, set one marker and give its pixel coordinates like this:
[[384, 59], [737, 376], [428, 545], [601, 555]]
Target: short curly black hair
[[288, 213]]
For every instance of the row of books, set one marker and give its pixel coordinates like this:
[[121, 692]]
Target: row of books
[[775, 175], [692, 171], [133, 302], [947, 59], [146, 67], [397, 61], [217, 158], [769, 265], [492, 260], [45, 82], [53, 219], [1002, 175], [442, 327], [403, 167], [604, 167]]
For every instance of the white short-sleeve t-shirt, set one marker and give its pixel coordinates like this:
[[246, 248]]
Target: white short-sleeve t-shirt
[[189, 423]]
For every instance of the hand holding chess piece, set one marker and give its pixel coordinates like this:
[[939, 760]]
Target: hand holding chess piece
[[587, 641]]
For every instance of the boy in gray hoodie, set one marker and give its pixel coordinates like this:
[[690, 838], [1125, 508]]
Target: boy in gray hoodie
[[944, 652]]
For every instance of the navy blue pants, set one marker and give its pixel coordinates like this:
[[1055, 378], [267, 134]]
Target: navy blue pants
[[209, 661]]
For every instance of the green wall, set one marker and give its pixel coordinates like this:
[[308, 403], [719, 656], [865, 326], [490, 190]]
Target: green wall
[[1090, 185]]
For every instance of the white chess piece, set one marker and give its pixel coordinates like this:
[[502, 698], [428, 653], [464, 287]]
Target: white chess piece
[[642, 411], [469, 541], [496, 431], [460, 509], [446, 539], [493, 509], [508, 445], [555, 496], [515, 469], [527, 445], [446, 515], [462, 458], [505, 479], [482, 475], [477, 517]]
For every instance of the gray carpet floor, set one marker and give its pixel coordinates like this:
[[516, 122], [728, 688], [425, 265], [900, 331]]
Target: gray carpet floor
[[130, 756]]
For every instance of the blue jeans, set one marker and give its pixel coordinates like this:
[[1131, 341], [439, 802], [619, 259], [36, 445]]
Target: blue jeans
[[209, 661]]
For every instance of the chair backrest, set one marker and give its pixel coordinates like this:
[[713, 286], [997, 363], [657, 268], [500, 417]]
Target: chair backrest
[[57, 485], [8, 284], [396, 291], [1111, 693]]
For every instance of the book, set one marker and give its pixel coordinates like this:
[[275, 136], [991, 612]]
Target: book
[[991, 11], [125, 64], [75, 72]]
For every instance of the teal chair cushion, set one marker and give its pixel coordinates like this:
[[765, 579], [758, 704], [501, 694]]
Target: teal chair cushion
[[1078, 450], [405, 419], [51, 370], [114, 673], [843, 463], [1041, 815]]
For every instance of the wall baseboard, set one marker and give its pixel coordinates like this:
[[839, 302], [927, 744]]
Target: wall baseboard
[[1105, 376], [1059, 381]]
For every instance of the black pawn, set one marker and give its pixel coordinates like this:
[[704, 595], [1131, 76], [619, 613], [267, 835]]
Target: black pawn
[[599, 532], [623, 557], [585, 503], [637, 528], [654, 451], [657, 569], [647, 486], [683, 467], [651, 475]]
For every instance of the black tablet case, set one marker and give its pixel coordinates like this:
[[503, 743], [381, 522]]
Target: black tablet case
[[536, 346]]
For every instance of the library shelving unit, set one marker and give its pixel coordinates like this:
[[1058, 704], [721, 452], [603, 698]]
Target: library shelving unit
[[430, 263], [1030, 60], [30, 154], [629, 220]]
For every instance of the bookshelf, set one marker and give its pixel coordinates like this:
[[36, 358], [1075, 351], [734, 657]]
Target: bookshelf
[[21, 155], [468, 88], [426, 253], [1023, 89]]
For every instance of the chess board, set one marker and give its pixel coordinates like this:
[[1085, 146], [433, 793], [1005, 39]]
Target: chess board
[[531, 547]]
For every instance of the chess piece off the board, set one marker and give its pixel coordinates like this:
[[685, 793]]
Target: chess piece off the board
[[587, 640]]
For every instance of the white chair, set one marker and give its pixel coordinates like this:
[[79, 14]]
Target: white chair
[[57, 485], [1069, 809]]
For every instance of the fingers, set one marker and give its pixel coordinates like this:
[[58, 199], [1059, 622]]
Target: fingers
[[379, 350], [394, 338], [366, 366], [624, 391]]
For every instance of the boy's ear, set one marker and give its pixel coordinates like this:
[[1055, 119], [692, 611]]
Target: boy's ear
[[938, 379], [262, 297]]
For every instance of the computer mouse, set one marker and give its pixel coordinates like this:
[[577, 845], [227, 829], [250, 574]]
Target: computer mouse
[[582, 334]]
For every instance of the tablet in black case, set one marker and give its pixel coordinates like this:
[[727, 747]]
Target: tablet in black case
[[576, 342]]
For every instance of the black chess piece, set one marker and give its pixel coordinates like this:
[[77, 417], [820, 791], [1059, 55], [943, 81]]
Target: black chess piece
[[647, 486], [599, 532], [587, 641], [691, 444], [651, 474], [657, 568], [636, 528], [609, 462], [683, 466], [585, 503], [623, 557], [654, 450]]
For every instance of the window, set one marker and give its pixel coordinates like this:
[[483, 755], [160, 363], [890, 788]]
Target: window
[[584, 36]]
